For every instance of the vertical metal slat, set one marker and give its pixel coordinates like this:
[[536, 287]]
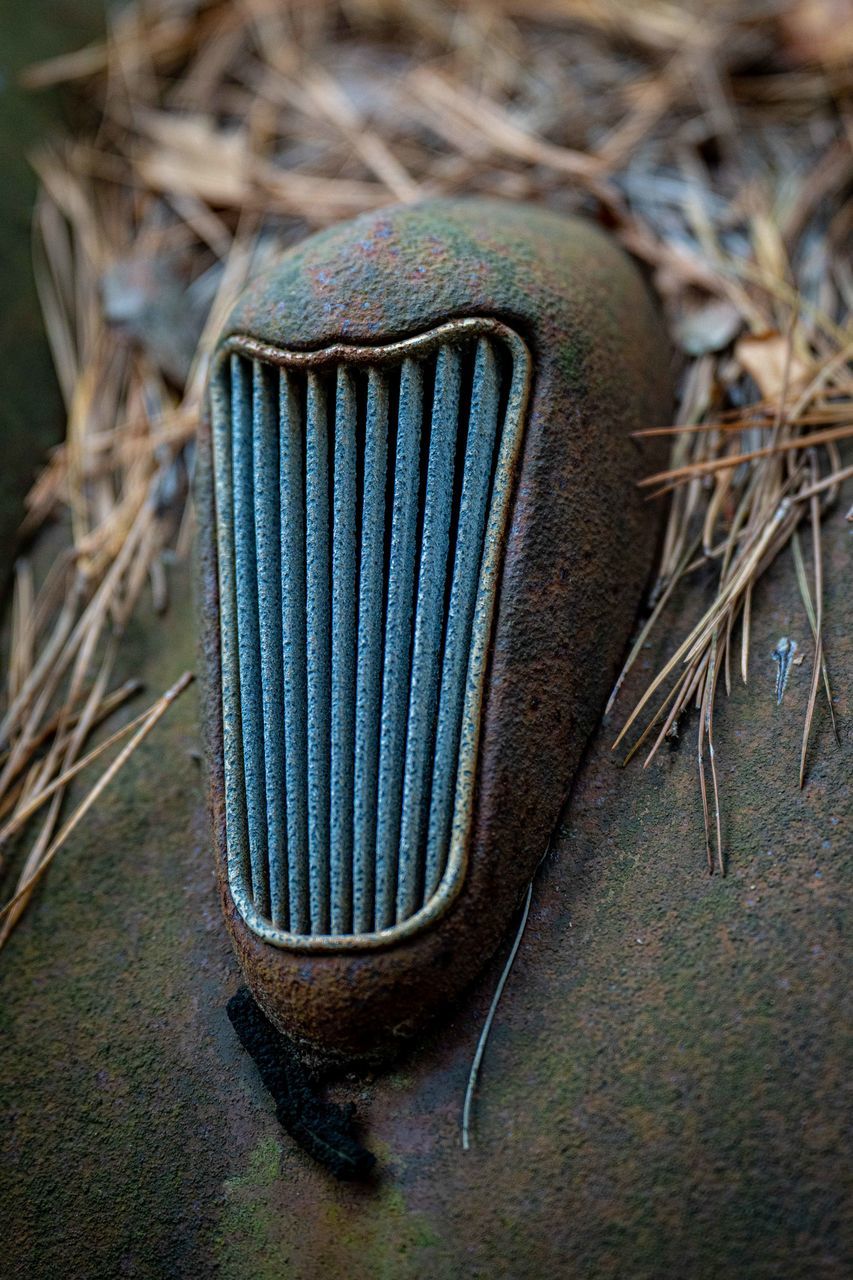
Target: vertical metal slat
[[268, 546], [398, 632], [249, 647], [369, 663], [292, 488], [344, 576], [474, 501], [429, 624], [318, 616], [236, 829]]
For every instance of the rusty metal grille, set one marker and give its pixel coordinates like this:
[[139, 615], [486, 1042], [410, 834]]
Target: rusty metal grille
[[362, 498]]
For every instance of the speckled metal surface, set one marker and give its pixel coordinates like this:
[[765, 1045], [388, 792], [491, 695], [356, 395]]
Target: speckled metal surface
[[572, 573], [662, 1093], [382, 730]]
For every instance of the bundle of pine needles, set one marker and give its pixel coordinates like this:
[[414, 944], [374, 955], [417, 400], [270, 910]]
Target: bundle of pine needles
[[715, 142]]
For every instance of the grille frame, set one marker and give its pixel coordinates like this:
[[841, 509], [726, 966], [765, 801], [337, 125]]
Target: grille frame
[[509, 450]]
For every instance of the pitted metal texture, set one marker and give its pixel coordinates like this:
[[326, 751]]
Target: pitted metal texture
[[362, 499]]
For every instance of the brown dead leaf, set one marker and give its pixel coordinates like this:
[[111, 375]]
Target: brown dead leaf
[[765, 357], [821, 31], [193, 157]]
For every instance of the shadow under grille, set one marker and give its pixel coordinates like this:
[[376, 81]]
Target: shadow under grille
[[362, 498]]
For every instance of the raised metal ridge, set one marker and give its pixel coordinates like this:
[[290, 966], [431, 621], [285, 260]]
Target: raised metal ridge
[[362, 497]]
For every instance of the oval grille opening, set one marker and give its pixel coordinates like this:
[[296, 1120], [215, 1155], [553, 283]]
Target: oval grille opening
[[362, 496]]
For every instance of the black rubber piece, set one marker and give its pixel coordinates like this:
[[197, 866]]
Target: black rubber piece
[[322, 1129]]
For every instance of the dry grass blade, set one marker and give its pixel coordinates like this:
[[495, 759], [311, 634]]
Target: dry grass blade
[[473, 1074], [829, 482], [647, 627], [157, 711], [109, 704], [803, 584], [59, 756], [730, 461], [23, 815], [817, 666], [758, 497]]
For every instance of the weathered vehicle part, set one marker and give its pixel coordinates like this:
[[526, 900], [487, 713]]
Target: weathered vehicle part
[[422, 553]]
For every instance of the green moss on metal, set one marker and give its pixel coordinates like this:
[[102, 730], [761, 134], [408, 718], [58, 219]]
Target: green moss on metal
[[660, 1093], [247, 1225]]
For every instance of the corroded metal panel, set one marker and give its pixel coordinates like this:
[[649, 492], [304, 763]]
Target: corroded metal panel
[[458, 575]]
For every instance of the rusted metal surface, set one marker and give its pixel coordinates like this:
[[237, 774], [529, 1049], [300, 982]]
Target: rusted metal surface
[[661, 1093], [571, 578]]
